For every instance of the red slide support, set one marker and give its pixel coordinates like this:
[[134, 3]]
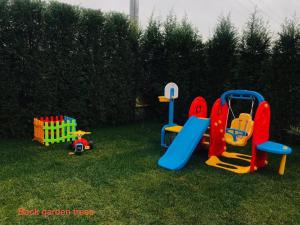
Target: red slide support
[[198, 108], [218, 122]]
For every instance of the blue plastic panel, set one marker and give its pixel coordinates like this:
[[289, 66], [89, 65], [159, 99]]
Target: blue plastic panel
[[273, 147], [241, 94], [181, 149]]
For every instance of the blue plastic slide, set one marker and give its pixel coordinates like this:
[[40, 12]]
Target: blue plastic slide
[[184, 144]]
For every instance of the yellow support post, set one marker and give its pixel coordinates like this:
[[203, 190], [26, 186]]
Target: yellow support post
[[282, 165]]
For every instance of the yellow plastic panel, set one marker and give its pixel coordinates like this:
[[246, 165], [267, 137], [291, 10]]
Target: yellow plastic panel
[[216, 162], [234, 155]]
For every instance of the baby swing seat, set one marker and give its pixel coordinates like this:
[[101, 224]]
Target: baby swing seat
[[240, 131]]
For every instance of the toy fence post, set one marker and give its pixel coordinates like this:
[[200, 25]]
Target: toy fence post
[[38, 130], [41, 132]]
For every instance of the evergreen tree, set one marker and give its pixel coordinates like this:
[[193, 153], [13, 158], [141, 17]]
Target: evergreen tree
[[184, 62], [254, 55], [120, 41], [89, 63], [153, 61], [61, 77], [221, 58], [285, 80]]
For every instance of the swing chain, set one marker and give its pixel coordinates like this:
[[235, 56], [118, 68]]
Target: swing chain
[[231, 110], [252, 106], [229, 104]]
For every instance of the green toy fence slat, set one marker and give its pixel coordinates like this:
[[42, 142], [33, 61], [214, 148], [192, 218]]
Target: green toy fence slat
[[57, 131], [73, 127], [63, 130], [62, 127], [46, 132], [68, 131], [52, 138]]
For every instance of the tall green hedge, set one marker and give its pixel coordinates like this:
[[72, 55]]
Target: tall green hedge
[[59, 59], [153, 65], [285, 77], [254, 57]]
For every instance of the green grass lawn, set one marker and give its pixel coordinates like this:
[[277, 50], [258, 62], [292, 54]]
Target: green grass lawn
[[121, 182]]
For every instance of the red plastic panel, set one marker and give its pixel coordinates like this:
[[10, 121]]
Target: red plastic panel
[[260, 134], [198, 108], [218, 121], [82, 141]]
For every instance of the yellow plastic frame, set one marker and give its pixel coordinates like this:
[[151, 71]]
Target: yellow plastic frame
[[216, 162]]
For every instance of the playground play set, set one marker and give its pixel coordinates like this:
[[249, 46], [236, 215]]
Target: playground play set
[[57, 129], [198, 130], [214, 132]]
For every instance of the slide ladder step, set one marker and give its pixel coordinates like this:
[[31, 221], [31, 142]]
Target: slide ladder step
[[174, 129]]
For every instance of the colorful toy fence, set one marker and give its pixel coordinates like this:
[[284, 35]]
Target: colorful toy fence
[[54, 129]]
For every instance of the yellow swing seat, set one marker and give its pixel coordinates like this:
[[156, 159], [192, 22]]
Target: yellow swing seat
[[243, 123]]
